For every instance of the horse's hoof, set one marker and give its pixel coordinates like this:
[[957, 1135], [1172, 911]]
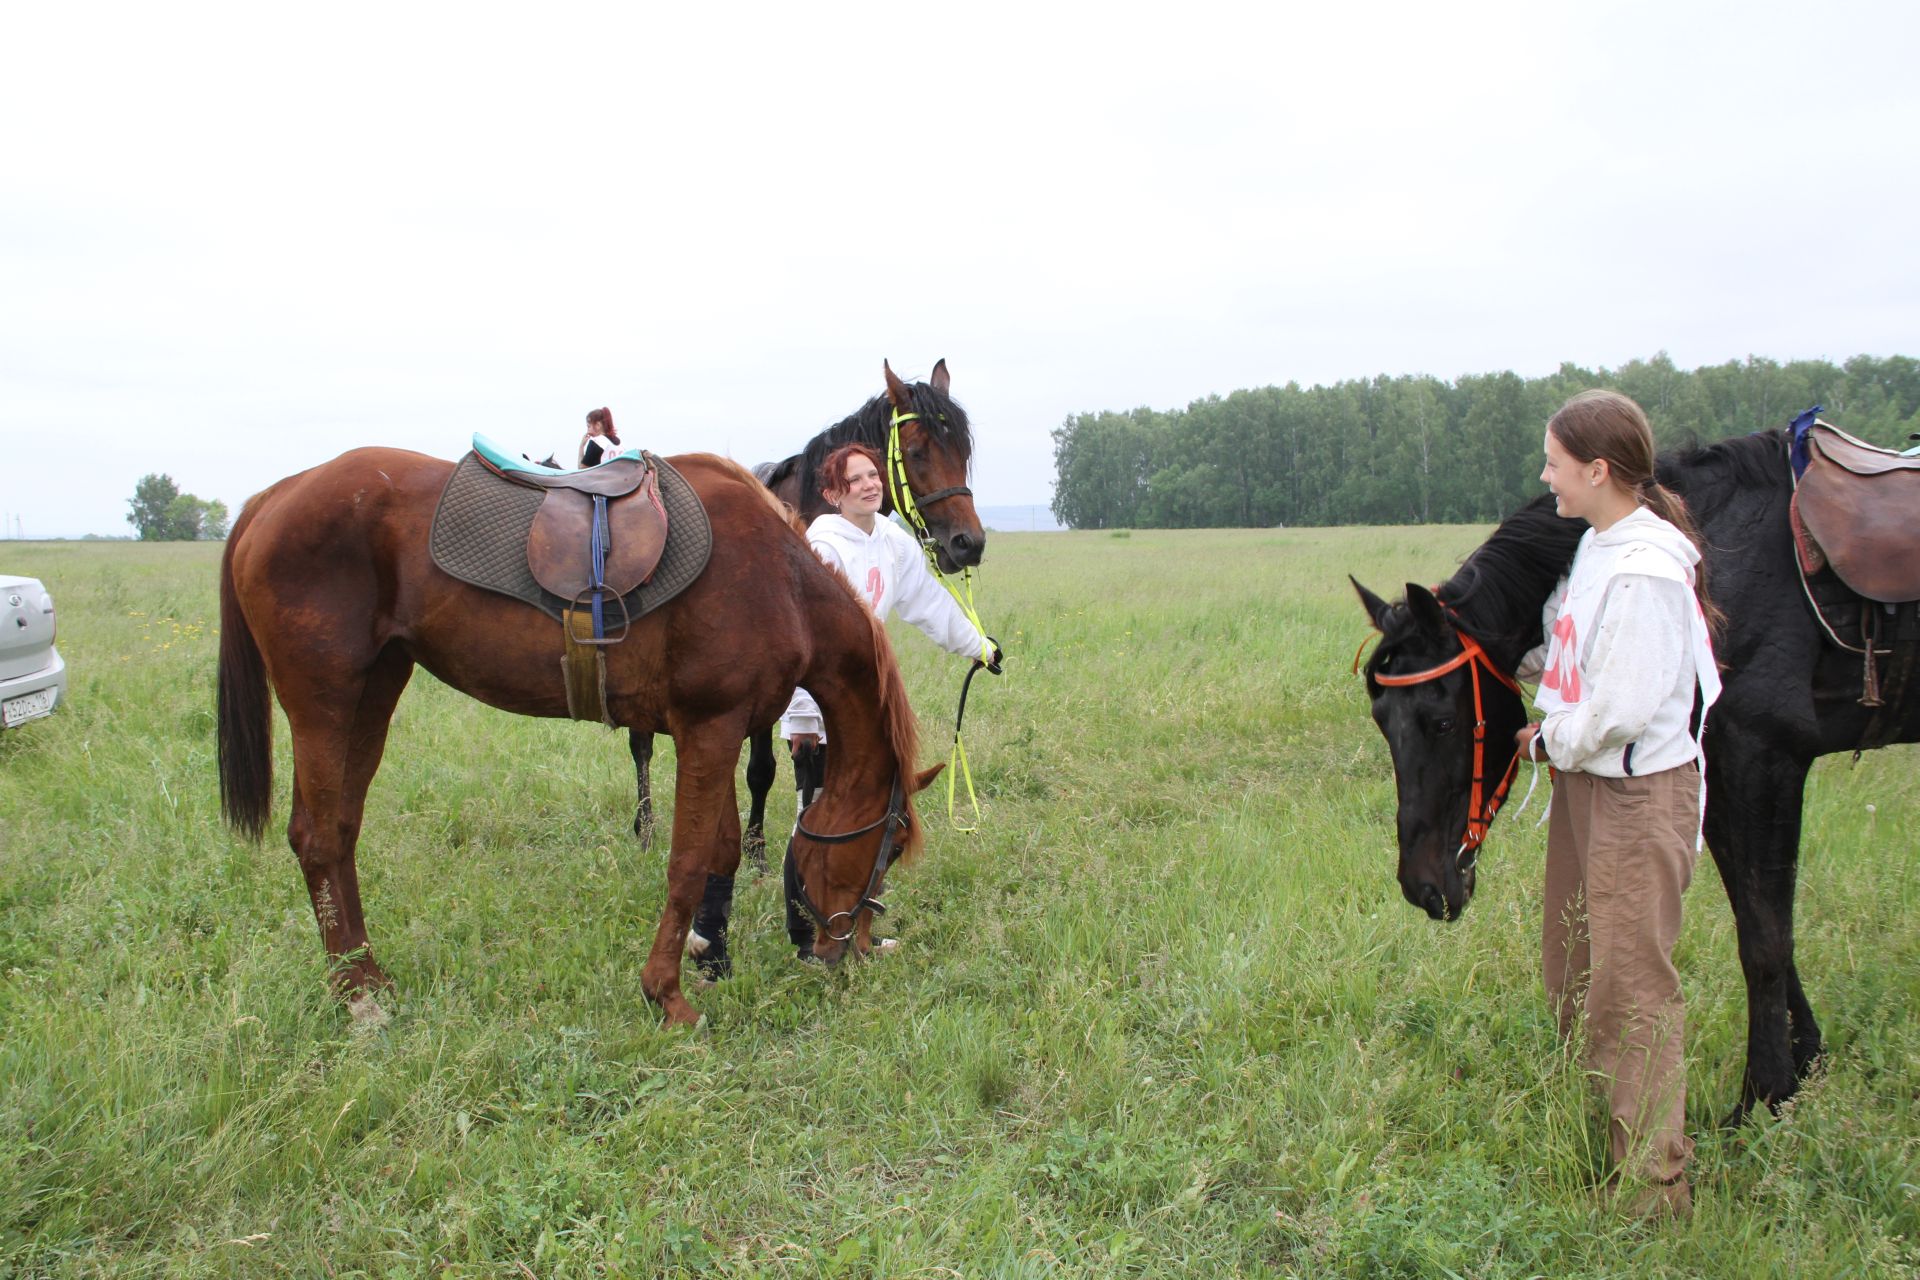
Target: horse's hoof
[[643, 830], [367, 1013], [753, 843]]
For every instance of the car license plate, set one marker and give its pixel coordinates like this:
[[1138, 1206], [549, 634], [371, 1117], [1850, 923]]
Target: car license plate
[[30, 707]]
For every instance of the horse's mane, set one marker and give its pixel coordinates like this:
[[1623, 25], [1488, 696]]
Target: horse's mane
[[898, 725], [1707, 474], [1498, 591], [899, 728], [902, 729], [938, 412], [751, 478]]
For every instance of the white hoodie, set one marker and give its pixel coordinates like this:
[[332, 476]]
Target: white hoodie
[[889, 573], [1626, 646]]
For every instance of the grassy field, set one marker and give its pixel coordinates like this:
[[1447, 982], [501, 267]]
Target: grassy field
[[1166, 1014]]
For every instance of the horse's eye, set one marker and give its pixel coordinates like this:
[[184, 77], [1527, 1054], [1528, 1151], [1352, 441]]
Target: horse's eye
[[1444, 726]]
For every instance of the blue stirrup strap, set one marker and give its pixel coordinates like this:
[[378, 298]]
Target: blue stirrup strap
[[599, 541]]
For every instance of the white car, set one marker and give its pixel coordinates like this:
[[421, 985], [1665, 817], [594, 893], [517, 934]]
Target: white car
[[33, 678]]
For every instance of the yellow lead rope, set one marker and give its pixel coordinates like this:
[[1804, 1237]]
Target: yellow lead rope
[[902, 495]]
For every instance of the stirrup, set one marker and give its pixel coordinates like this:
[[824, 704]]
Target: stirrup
[[584, 601]]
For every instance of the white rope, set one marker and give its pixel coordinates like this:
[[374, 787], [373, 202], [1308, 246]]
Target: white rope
[[1531, 784]]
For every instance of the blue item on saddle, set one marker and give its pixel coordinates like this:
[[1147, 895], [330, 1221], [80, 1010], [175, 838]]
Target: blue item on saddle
[[504, 461], [1797, 451], [599, 584]]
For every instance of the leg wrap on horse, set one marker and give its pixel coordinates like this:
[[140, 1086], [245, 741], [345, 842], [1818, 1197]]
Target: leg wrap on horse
[[799, 923], [709, 940], [809, 774]]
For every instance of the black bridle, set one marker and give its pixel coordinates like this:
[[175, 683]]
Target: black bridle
[[895, 822], [941, 495]]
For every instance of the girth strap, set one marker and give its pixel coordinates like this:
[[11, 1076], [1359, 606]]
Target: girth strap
[[583, 669]]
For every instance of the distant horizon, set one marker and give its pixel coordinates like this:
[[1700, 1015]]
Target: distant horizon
[[1002, 517], [1019, 517]]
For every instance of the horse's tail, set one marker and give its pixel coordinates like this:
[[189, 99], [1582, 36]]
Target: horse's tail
[[246, 714]]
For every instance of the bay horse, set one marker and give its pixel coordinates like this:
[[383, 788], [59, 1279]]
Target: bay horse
[[928, 431], [1789, 696], [329, 598]]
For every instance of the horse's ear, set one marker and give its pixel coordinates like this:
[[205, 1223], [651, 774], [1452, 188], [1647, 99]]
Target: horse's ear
[[896, 389], [1426, 609], [1376, 607], [939, 377], [926, 777]]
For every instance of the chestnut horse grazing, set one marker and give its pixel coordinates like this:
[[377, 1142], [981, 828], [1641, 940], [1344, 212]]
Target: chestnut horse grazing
[[328, 595]]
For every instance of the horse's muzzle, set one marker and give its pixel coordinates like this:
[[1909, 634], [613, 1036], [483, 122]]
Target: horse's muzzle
[[1440, 902], [961, 550]]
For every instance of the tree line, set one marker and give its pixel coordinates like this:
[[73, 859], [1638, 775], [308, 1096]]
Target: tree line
[[1417, 450]]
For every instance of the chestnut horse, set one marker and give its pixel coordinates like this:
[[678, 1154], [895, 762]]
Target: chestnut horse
[[1789, 697], [328, 596], [935, 448]]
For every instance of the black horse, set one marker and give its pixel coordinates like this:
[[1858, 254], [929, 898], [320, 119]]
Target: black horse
[[1790, 696], [935, 448]]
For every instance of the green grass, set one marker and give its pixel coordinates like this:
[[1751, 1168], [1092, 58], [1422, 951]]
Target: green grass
[[1166, 1014]]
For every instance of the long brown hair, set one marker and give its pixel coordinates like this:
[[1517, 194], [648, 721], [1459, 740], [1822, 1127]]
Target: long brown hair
[[605, 418], [1603, 424]]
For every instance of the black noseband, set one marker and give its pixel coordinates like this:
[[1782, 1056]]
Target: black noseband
[[941, 495]]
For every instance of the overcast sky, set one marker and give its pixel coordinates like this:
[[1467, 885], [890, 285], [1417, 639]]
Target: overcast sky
[[238, 240]]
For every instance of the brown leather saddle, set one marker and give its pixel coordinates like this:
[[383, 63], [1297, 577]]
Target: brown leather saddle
[[598, 534], [1854, 509]]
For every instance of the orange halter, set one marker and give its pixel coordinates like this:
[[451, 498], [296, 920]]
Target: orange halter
[[1482, 805]]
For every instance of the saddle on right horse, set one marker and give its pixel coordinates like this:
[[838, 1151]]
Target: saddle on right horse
[[1852, 511], [1854, 508]]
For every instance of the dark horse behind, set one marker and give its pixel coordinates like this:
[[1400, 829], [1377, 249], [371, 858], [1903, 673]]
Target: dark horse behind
[[935, 449], [329, 598], [1790, 696]]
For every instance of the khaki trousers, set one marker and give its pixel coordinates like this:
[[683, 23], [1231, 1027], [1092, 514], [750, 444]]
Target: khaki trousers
[[1620, 853]]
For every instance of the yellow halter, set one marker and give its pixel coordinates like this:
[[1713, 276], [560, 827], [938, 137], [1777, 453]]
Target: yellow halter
[[901, 494]]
